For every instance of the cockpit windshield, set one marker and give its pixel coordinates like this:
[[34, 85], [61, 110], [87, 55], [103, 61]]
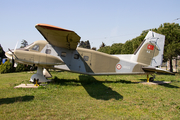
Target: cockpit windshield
[[29, 45], [36, 48], [33, 46]]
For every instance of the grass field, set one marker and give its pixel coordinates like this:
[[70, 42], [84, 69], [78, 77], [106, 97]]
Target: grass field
[[75, 96]]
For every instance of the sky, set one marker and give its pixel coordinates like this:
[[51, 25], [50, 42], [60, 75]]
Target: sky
[[108, 21]]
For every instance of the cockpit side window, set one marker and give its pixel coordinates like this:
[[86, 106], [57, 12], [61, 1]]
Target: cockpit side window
[[63, 54], [48, 51], [36, 48], [76, 56], [86, 58]]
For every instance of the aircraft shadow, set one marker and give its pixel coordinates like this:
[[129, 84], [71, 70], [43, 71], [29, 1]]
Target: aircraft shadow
[[165, 85], [125, 82], [75, 82], [16, 99], [169, 86], [65, 82], [97, 89]]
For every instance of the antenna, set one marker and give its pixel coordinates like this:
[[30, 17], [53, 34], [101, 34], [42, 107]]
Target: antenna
[[176, 19]]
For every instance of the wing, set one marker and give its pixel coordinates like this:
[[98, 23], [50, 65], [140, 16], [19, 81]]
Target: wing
[[157, 70], [58, 36]]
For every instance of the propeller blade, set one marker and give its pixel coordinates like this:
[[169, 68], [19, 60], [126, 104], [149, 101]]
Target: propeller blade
[[16, 45], [12, 53], [15, 64]]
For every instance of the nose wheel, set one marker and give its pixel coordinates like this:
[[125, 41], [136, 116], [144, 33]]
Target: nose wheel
[[151, 79]]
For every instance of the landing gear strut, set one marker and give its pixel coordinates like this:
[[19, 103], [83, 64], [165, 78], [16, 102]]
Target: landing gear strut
[[38, 77], [36, 82], [151, 79]]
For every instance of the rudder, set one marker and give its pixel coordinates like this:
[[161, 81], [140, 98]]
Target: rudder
[[150, 51]]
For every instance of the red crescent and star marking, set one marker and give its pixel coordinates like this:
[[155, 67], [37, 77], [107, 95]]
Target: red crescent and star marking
[[118, 66]]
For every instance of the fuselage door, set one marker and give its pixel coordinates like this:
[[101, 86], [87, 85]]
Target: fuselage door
[[87, 57]]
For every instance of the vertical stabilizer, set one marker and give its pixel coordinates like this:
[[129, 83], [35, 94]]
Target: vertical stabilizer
[[150, 52]]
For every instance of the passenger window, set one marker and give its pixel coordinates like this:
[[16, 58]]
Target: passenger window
[[76, 56], [63, 54], [48, 51], [86, 58], [36, 48]]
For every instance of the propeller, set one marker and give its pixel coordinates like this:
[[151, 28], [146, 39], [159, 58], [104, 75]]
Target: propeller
[[16, 45], [13, 51], [13, 62]]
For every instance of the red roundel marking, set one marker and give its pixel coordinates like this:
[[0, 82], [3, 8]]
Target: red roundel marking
[[118, 66]]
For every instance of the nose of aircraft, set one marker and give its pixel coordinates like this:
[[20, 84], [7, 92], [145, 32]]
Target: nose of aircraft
[[9, 54]]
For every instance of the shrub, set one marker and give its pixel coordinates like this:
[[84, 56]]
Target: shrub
[[6, 67], [21, 67]]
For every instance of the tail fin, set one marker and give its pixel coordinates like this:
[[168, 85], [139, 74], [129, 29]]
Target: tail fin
[[150, 52]]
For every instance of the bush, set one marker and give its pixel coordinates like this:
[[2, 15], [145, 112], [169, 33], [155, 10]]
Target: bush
[[21, 67], [6, 67]]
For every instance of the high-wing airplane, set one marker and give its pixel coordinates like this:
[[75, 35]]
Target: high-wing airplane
[[60, 51]]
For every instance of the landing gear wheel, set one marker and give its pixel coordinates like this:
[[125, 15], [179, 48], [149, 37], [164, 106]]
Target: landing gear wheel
[[151, 79]]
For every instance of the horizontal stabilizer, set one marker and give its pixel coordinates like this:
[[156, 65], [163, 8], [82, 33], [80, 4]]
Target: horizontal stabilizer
[[156, 70]]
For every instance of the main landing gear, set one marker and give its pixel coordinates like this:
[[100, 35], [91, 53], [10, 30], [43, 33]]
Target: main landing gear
[[40, 76], [151, 79], [36, 82]]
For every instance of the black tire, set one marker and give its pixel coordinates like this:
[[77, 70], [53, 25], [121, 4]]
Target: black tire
[[151, 79]]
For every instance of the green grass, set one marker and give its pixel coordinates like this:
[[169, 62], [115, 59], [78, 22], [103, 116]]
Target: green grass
[[77, 96]]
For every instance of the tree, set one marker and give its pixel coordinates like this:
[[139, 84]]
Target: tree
[[171, 48], [116, 48], [85, 44], [105, 49], [102, 45], [24, 43], [172, 41], [94, 48], [127, 48], [2, 53], [137, 41]]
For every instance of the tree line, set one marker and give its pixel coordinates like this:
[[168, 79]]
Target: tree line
[[171, 48]]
